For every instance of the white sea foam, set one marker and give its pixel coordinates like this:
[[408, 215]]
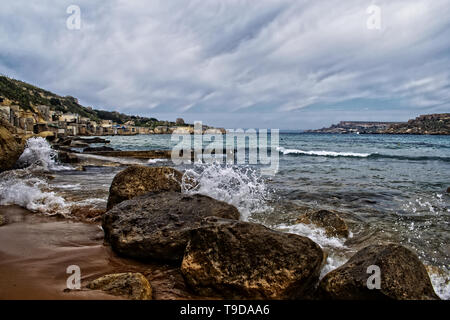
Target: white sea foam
[[334, 261], [322, 153], [39, 154], [316, 234], [242, 187], [441, 283], [156, 160], [21, 188]]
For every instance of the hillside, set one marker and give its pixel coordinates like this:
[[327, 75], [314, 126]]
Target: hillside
[[425, 124], [27, 96]]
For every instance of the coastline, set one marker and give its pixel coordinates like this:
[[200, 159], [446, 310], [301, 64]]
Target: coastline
[[167, 281]]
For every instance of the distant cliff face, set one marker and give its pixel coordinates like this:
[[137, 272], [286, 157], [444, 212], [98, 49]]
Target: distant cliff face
[[424, 124]]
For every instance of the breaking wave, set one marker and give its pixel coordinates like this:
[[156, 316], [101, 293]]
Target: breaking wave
[[39, 154], [242, 187], [22, 188], [324, 153]]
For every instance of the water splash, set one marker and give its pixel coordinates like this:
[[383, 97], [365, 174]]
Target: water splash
[[242, 187], [39, 154], [22, 188]]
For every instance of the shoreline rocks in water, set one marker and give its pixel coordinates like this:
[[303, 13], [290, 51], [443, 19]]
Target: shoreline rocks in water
[[97, 149], [158, 225], [403, 276], [133, 286], [10, 148], [138, 180], [334, 225], [236, 260]]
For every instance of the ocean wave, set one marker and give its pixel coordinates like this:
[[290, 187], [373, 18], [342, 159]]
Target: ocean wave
[[21, 188], [324, 153]]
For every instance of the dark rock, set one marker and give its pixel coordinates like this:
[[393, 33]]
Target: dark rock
[[67, 157], [157, 225], [403, 276], [97, 149], [141, 154], [334, 225], [134, 286], [236, 260], [92, 140], [78, 144], [138, 180], [448, 190], [10, 148]]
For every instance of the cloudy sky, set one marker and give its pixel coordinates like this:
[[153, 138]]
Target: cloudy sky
[[268, 64]]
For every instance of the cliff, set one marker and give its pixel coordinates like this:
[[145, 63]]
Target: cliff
[[425, 124], [436, 124]]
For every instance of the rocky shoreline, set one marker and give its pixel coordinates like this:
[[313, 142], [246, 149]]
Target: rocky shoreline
[[159, 243], [431, 124]]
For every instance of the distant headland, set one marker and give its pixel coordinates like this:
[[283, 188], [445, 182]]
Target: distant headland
[[432, 124]]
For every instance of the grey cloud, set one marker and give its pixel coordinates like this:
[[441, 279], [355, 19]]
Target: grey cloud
[[234, 62]]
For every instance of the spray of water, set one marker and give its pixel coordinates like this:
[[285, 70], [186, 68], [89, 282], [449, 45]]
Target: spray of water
[[242, 187], [39, 154]]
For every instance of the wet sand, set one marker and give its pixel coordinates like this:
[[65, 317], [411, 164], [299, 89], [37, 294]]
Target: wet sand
[[35, 251]]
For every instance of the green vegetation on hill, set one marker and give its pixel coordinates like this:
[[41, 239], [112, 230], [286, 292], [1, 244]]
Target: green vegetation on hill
[[26, 96]]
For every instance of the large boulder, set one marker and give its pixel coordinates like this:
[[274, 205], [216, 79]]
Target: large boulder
[[10, 148], [334, 225], [138, 180], [236, 260], [133, 286], [402, 276], [157, 225]]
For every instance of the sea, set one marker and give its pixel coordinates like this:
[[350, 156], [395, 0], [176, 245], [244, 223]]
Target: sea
[[388, 188]]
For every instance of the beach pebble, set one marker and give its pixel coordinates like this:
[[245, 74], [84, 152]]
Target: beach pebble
[[235, 260], [138, 180], [401, 276]]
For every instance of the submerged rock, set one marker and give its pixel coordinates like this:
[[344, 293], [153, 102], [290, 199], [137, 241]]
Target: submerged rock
[[157, 225], [334, 225], [134, 286], [10, 148], [448, 190], [402, 276], [138, 180], [236, 260], [67, 157], [98, 149]]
